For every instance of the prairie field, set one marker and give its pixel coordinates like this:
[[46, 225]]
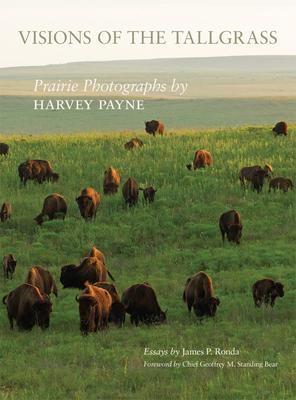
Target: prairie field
[[18, 116], [163, 243]]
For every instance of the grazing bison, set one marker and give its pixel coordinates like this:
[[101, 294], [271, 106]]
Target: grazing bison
[[280, 183], [130, 192], [37, 170], [202, 159], [267, 290], [47, 172], [230, 223], [90, 269], [9, 264], [111, 181], [199, 294], [133, 144], [94, 252], [141, 303], [42, 279], [88, 203], [4, 149], [149, 193], [28, 306], [247, 173], [153, 127], [53, 206], [280, 128], [6, 211], [94, 309]]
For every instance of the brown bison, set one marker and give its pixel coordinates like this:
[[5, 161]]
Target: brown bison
[[130, 192], [94, 309], [202, 159], [53, 206], [117, 313], [280, 128], [37, 170], [199, 294], [94, 252], [258, 180], [267, 290], [6, 211], [25, 171], [46, 172], [280, 183], [246, 173], [141, 303], [28, 306], [9, 264], [111, 181], [230, 223], [4, 149], [42, 279], [90, 269], [88, 203], [133, 144], [153, 127], [149, 194]]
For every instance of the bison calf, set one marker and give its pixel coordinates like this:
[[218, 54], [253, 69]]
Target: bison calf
[[230, 224], [53, 206], [199, 294], [283, 184], [258, 179], [6, 211], [149, 194], [267, 290], [9, 264]]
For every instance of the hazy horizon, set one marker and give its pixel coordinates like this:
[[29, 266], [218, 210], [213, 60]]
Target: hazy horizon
[[150, 59]]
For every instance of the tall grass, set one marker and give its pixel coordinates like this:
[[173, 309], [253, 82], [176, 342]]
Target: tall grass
[[164, 243]]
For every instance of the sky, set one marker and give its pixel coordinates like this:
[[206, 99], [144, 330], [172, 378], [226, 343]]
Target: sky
[[96, 16]]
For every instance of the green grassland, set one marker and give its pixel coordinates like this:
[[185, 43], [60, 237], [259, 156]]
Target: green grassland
[[163, 243]]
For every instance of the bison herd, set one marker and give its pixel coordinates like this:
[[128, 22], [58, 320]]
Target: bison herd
[[99, 302]]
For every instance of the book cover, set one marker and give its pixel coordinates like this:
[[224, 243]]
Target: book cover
[[147, 201]]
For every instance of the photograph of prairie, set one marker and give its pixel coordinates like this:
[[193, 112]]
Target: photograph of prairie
[[127, 236]]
